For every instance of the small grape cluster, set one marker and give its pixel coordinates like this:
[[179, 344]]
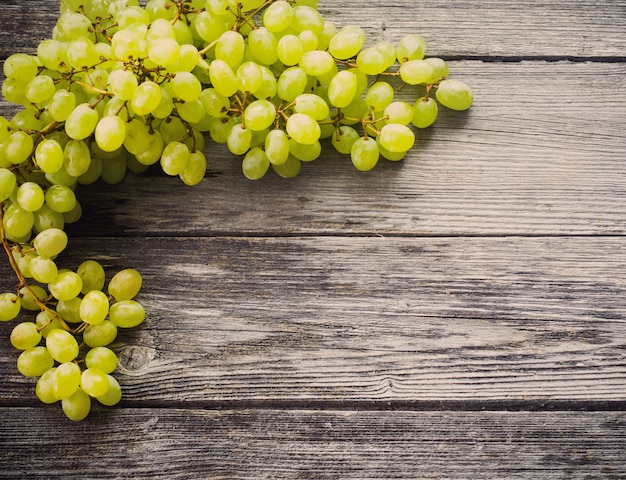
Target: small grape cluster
[[120, 87]]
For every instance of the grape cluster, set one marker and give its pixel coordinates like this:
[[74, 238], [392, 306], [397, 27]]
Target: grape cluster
[[120, 87]]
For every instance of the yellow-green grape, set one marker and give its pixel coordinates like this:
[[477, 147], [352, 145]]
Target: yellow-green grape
[[259, 115], [305, 153], [440, 69], [399, 112], [76, 158], [147, 96], [347, 42], [174, 158], [92, 274], [164, 51], [364, 154], [18, 147], [289, 50], [20, 67], [223, 78], [100, 335], [40, 89], [288, 169], [307, 18], [44, 389], [195, 169], [81, 122], [209, 26], [127, 313], [396, 138], [455, 94], [317, 62], [138, 138], [277, 146], [123, 83], [262, 46], [303, 128], [25, 335], [35, 361], [62, 345], [94, 382], [28, 294], [114, 393], [425, 112], [343, 138], [239, 140], [278, 16], [230, 48], [66, 285], [215, 104], [342, 89], [291, 83], [415, 72], [94, 307], [69, 310], [47, 321], [410, 47], [17, 223], [66, 380], [249, 77], [77, 406], [8, 183], [125, 284], [102, 358], [60, 198], [30, 196], [255, 164], [50, 242], [312, 105]]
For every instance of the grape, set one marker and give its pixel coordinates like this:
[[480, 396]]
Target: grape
[[347, 42], [175, 157], [164, 51], [40, 89], [306, 18], [25, 335], [100, 335], [317, 62], [66, 380], [424, 112], [147, 96], [455, 94], [69, 310], [110, 132], [303, 129], [239, 140], [277, 147], [414, 72], [66, 285], [288, 169], [410, 47], [262, 46], [399, 112], [81, 122], [76, 158], [77, 406], [305, 153], [10, 306], [47, 321], [223, 78], [343, 138], [113, 395], [195, 169], [50, 242], [49, 156], [255, 164], [230, 48], [20, 67], [122, 83], [44, 388], [260, 115], [209, 26], [125, 284], [312, 105], [102, 358], [18, 147], [127, 313], [396, 138], [278, 16], [17, 222], [43, 269], [61, 345], [94, 307], [35, 361], [289, 50], [28, 299], [291, 83], [8, 182], [92, 275], [342, 89], [364, 154], [440, 69], [94, 382], [60, 198]]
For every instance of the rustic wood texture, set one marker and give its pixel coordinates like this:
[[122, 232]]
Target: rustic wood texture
[[460, 314]]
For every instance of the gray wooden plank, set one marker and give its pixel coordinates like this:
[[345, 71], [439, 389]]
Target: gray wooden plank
[[572, 28], [272, 444], [367, 319]]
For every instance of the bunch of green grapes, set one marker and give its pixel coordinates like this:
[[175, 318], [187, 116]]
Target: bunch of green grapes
[[121, 87]]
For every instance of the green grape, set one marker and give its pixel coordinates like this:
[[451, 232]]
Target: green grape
[[66, 285], [94, 382], [81, 122], [137, 139], [343, 138], [51, 54], [110, 132], [44, 389], [305, 153], [25, 335], [173, 130], [74, 215], [364, 153], [312, 105], [18, 147], [92, 275], [43, 269], [209, 26], [127, 313], [40, 89], [154, 151], [147, 96], [317, 62], [10, 306], [230, 48], [306, 18], [72, 25], [342, 89], [60, 198], [69, 310], [277, 146], [260, 115], [160, 28], [81, 53], [113, 395], [49, 156], [77, 406], [27, 119], [415, 72], [62, 345], [255, 164], [278, 16], [174, 158], [347, 42], [66, 380], [47, 321], [187, 60], [410, 47], [27, 296], [288, 169], [4, 129], [249, 77], [164, 51], [114, 169], [262, 46], [128, 43], [371, 61], [93, 172], [223, 78], [125, 284], [396, 138], [35, 361], [20, 67], [100, 335], [440, 69], [455, 94], [303, 128], [425, 112], [220, 129], [50, 242], [122, 83], [291, 83], [399, 112], [76, 158], [192, 112], [45, 218], [290, 50], [94, 307], [239, 139], [102, 358], [195, 169], [391, 156], [8, 183], [13, 91], [215, 104], [17, 222], [218, 7]]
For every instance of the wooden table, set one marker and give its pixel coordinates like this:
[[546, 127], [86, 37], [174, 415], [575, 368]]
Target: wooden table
[[460, 314]]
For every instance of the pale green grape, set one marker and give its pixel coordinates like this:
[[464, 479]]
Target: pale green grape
[[415, 72], [303, 129], [391, 156], [160, 28], [43, 269], [215, 104], [230, 47], [262, 45], [8, 183], [122, 83], [290, 50], [60, 198], [49, 156], [114, 169], [195, 169], [81, 122], [312, 105], [94, 382], [110, 132], [343, 138], [100, 335], [239, 140], [92, 274], [396, 138], [342, 89], [288, 169], [76, 158], [77, 406], [81, 53], [25, 335], [306, 18], [425, 112], [164, 51], [127, 313], [174, 158], [10, 306], [209, 26], [371, 61], [187, 60], [20, 67], [137, 139], [102, 358], [62, 345], [192, 112], [18, 147], [129, 43], [66, 285], [48, 321], [44, 388], [440, 69], [255, 164], [455, 94], [40, 89], [364, 153], [74, 215], [69, 310], [278, 16], [249, 77], [291, 83], [113, 395], [410, 47], [125, 284], [220, 129], [259, 115], [277, 146], [147, 96], [17, 222], [51, 54], [399, 112], [154, 151], [35, 361], [28, 299], [305, 153], [94, 307], [347, 42], [45, 218], [317, 62], [66, 380], [223, 78], [50, 242]]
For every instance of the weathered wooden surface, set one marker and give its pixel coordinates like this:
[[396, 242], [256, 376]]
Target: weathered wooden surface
[[459, 314]]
